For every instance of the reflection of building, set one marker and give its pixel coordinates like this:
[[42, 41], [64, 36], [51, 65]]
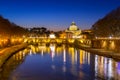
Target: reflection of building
[[73, 31], [106, 68], [52, 48], [10, 65]]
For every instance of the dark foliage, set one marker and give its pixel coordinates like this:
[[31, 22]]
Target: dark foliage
[[109, 25], [10, 29]]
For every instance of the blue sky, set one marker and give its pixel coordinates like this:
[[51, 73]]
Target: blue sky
[[56, 14]]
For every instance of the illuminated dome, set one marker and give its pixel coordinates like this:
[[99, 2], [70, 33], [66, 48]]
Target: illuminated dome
[[73, 27], [73, 31]]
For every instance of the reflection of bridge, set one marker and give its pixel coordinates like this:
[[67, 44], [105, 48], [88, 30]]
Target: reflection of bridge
[[56, 40]]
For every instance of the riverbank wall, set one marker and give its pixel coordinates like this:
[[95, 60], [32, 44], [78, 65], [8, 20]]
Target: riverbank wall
[[9, 51], [98, 51]]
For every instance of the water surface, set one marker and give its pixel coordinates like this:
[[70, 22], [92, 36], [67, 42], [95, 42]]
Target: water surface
[[59, 63]]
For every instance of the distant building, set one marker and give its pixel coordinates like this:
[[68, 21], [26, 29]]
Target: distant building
[[38, 32], [73, 31], [62, 35], [52, 36]]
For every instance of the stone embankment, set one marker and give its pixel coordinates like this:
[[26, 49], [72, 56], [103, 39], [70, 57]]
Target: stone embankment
[[102, 52], [9, 51]]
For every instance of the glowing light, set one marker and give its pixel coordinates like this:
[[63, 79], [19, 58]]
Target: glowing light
[[42, 52], [52, 36], [110, 70], [81, 41], [104, 44], [30, 52], [71, 40], [59, 41], [72, 54], [64, 56], [88, 58], [96, 64], [81, 56], [52, 48], [112, 45], [110, 37], [75, 55]]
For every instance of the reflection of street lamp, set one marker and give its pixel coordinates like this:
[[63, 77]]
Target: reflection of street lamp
[[64, 56], [52, 48]]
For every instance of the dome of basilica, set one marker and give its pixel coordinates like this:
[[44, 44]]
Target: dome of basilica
[[73, 27], [73, 31]]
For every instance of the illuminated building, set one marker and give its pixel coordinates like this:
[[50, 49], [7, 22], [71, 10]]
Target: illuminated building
[[63, 35], [73, 31], [52, 36]]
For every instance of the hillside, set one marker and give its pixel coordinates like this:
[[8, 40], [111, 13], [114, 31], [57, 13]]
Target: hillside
[[109, 25], [10, 29]]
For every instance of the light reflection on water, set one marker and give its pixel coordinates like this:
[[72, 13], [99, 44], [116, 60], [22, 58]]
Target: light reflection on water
[[107, 68], [59, 63]]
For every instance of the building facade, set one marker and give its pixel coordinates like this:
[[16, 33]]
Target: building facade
[[73, 31]]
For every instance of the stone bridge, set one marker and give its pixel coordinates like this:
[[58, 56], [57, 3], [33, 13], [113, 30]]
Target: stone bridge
[[56, 40], [106, 43]]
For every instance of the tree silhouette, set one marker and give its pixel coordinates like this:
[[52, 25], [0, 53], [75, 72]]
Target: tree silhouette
[[109, 25]]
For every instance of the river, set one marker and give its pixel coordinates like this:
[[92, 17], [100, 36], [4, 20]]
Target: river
[[59, 63]]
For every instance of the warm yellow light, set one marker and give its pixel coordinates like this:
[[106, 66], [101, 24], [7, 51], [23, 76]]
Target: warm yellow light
[[112, 45], [59, 40], [81, 41], [104, 44], [52, 36], [71, 40]]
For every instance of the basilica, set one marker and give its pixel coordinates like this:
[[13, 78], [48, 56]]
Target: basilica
[[73, 31]]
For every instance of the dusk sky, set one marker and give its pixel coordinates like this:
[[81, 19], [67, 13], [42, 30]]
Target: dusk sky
[[56, 14]]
